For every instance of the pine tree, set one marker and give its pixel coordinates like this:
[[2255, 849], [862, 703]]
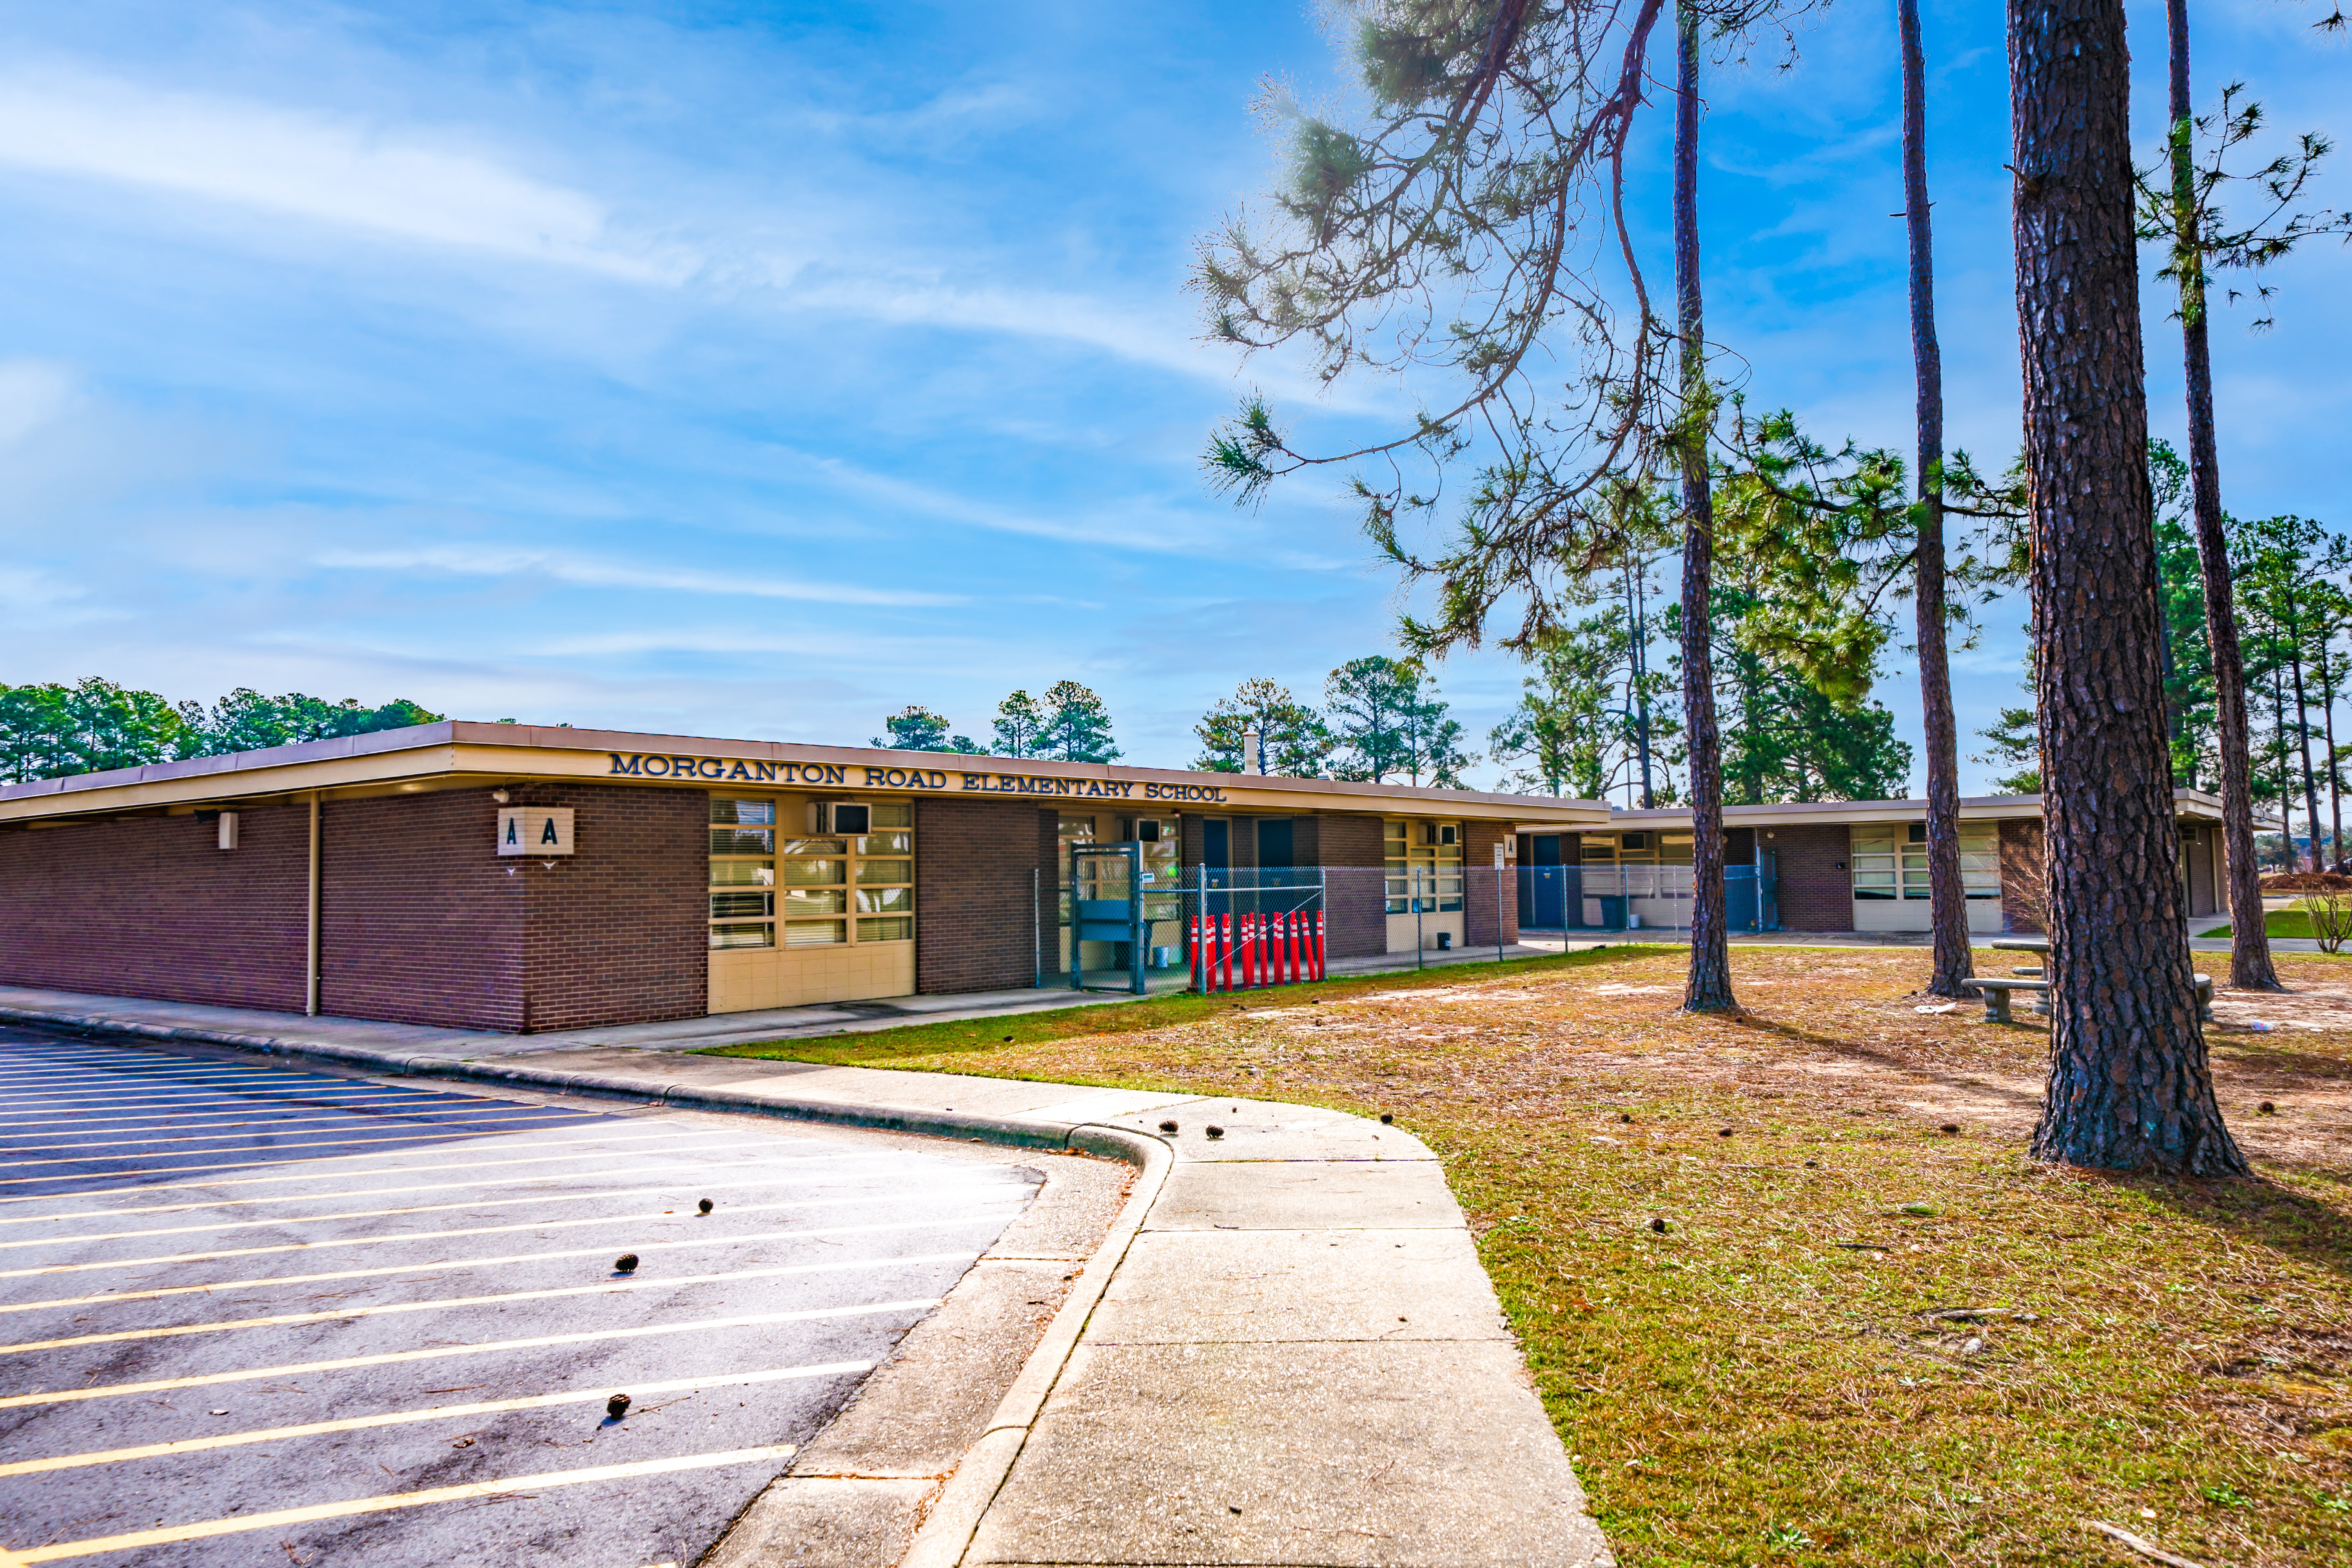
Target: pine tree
[[1947, 901], [915, 728], [2130, 1085], [1368, 704], [1020, 727], [2181, 211], [1076, 727], [1292, 739]]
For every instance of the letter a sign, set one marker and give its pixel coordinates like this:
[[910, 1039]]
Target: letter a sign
[[535, 830]]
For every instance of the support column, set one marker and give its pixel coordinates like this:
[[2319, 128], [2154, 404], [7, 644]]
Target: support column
[[310, 905]]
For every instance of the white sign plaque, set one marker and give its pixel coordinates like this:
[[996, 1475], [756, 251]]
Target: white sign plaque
[[535, 830]]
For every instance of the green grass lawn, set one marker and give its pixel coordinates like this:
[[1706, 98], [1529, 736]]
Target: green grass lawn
[[2278, 923], [1766, 1379]]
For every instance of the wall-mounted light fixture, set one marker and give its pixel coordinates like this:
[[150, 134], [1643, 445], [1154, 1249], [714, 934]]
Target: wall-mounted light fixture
[[499, 795], [228, 830]]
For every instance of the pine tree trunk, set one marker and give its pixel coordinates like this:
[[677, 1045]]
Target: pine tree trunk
[[1948, 907], [2129, 1084], [2302, 749], [1709, 988], [2335, 777], [2249, 944]]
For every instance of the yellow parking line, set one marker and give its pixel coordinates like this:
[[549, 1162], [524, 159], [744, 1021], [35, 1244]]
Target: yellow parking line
[[284, 1517], [240, 1132], [319, 1169], [482, 1230], [248, 1115], [111, 1213], [177, 1070], [172, 1092], [640, 1391], [812, 1233], [699, 1185], [385, 1136], [492, 1347], [608, 1287], [311, 1162]]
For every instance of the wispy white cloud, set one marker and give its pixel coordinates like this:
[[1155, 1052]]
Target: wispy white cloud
[[453, 188], [400, 182], [581, 571]]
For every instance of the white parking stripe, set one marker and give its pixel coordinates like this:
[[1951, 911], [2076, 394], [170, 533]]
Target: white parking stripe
[[310, 1168], [247, 1117], [700, 1183], [309, 1162], [745, 1164], [602, 1287], [430, 1353], [395, 1499], [459, 1265], [638, 1219], [422, 1135], [435, 1413], [381, 1126]]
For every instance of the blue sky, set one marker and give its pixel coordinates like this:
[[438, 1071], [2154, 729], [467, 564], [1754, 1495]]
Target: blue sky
[[755, 370]]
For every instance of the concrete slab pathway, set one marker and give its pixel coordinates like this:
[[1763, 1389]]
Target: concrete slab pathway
[[1286, 1353]]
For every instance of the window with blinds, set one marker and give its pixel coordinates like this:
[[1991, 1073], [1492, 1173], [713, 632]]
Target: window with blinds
[[1421, 862], [768, 891], [1890, 861]]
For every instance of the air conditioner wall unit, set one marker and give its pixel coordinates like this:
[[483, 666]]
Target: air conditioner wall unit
[[840, 817]]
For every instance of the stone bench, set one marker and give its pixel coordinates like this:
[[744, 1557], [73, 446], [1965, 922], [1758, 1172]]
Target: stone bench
[[1996, 994]]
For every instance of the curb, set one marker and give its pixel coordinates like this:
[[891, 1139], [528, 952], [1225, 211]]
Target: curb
[[955, 1514]]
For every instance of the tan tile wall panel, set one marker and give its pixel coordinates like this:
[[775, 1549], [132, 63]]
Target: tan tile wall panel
[[744, 979], [153, 907]]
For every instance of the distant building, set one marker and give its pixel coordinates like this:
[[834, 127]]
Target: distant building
[[507, 878]]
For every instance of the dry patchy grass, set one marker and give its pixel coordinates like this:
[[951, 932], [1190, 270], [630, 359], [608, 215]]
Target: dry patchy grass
[[1765, 1380]]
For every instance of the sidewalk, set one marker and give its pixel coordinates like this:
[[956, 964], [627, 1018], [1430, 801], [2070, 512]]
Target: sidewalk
[[1581, 941], [1286, 1352]]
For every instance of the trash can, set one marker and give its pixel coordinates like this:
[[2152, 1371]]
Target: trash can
[[1613, 910], [1163, 958], [1446, 942]]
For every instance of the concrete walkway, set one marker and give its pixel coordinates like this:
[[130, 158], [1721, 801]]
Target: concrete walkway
[[1553, 941], [1286, 1352], [253, 1026]]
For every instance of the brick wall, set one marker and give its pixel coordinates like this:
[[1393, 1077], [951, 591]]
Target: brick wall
[[974, 861], [152, 906], [1354, 903], [421, 922], [1481, 885], [2020, 874], [617, 934], [1816, 890]]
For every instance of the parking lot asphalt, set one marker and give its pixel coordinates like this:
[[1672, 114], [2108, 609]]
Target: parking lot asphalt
[[252, 1315]]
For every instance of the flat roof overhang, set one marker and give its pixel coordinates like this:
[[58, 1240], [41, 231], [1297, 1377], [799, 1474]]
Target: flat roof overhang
[[456, 754], [2191, 804]]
